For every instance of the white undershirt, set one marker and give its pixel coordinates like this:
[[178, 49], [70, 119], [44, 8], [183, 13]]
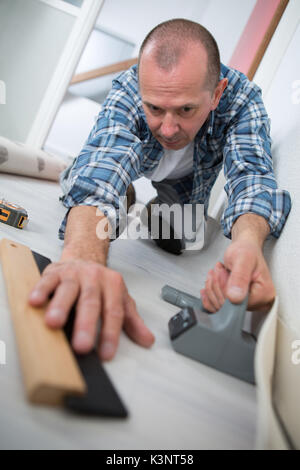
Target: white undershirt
[[174, 164]]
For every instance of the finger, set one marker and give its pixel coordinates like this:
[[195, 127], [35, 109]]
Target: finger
[[59, 307], [206, 302], [209, 290], [88, 311], [112, 316], [240, 278], [262, 292], [217, 287], [40, 293], [134, 325], [262, 307], [223, 276]]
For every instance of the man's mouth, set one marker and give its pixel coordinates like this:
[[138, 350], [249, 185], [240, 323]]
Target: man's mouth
[[170, 142]]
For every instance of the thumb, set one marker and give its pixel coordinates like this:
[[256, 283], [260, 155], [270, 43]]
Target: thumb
[[239, 279]]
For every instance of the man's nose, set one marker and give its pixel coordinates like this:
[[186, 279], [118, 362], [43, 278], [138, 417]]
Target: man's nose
[[169, 126]]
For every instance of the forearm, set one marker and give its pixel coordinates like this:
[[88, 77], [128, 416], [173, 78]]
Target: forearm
[[251, 228], [81, 240]]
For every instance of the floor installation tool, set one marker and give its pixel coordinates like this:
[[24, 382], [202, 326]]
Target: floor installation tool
[[13, 215], [53, 374], [215, 339]]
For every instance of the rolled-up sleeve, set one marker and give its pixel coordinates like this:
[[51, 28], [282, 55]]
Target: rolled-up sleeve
[[251, 186], [109, 160]]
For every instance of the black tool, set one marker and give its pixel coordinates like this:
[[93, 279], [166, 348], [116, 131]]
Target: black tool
[[101, 398]]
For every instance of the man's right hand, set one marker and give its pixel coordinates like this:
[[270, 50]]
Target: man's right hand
[[100, 292], [82, 277]]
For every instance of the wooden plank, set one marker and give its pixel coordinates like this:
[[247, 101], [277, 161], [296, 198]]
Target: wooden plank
[[267, 38], [102, 71], [257, 35], [49, 368]]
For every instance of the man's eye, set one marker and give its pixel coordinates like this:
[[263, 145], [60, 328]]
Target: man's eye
[[186, 109], [154, 108]]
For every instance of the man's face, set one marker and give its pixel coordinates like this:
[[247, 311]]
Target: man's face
[[176, 102]]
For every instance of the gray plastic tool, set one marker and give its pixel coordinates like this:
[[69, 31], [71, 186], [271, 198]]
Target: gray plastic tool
[[217, 339]]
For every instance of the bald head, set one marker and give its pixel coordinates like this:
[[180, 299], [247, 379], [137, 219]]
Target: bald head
[[172, 40]]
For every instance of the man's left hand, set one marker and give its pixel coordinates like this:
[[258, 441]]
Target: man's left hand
[[244, 270]]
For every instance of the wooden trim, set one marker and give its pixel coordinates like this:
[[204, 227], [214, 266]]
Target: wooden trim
[[50, 370], [102, 71], [267, 38], [257, 35], [277, 48]]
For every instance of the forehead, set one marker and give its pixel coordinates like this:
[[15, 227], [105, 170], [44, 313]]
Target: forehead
[[171, 91]]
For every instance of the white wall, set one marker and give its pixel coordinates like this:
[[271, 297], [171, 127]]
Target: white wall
[[283, 106], [226, 21], [26, 38], [133, 19]]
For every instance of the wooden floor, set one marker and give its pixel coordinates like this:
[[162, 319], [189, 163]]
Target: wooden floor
[[174, 402]]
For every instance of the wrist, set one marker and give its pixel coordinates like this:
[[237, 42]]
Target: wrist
[[96, 252], [85, 247], [81, 239], [250, 228]]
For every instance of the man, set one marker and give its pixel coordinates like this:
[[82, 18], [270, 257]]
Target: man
[[178, 102]]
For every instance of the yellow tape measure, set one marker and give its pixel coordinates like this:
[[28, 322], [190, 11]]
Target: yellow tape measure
[[12, 214]]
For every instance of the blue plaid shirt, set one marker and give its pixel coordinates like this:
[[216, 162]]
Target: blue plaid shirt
[[121, 148]]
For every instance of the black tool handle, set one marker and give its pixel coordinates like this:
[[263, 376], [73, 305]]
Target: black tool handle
[[101, 398]]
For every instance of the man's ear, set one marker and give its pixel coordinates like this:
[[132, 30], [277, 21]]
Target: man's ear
[[217, 94]]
